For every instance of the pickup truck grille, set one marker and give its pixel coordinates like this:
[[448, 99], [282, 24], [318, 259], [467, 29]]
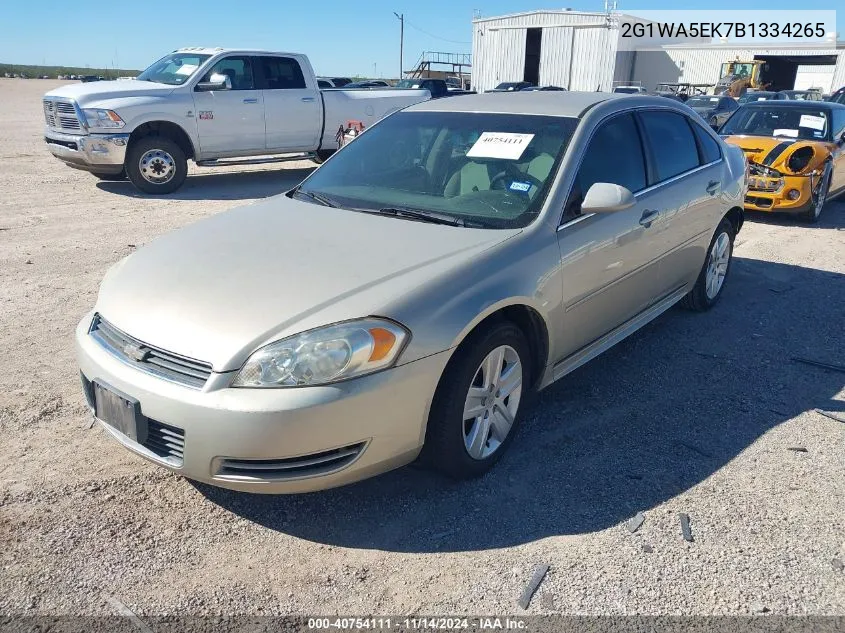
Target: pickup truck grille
[[61, 115]]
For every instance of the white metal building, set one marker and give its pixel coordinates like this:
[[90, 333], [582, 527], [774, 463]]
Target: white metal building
[[571, 49], [586, 51], [786, 66]]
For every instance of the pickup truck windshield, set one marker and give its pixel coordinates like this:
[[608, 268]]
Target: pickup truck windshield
[[484, 170], [805, 123], [174, 69]]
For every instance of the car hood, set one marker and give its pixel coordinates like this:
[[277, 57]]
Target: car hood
[[92, 92], [219, 289], [775, 152]]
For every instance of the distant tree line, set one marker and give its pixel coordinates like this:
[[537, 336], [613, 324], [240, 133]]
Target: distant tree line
[[54, 71]]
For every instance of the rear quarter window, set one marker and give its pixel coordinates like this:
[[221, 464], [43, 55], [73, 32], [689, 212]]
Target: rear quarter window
[[708, 146]]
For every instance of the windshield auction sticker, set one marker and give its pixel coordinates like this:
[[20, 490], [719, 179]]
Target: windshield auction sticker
[[507, 145], [811, 121]]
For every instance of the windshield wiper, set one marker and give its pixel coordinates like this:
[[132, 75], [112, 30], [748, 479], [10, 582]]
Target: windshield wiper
[[423, 216], [317, 197]]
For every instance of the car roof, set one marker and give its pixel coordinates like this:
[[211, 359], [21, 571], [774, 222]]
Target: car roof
[[541, 102], [824, 105]]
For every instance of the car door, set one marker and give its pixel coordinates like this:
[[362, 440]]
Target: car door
[[230, 122], [837, 126], [685, 179], [293, 109], [608, 260]]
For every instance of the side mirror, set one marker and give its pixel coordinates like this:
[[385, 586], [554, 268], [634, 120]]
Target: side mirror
[[604, 197], [217, 81]]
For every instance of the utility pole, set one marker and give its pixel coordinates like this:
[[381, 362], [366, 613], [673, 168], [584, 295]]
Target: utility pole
[[401, 18]]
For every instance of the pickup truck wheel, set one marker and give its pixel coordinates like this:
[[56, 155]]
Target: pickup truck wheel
[[478, 403], [322, 155], [711, 280], [156, 164], [121, 175]]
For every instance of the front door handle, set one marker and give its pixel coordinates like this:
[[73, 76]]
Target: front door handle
[[251, 100], [713, 187], [308, 99], [648, 216]]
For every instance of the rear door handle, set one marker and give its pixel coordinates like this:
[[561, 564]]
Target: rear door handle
[[648, 216], [713, 187], [251, 100]]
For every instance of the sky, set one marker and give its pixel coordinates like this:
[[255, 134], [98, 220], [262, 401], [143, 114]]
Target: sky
[[340, 38]]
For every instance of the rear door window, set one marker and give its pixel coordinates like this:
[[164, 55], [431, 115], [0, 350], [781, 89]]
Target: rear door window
[[671, 143], [281, 73]]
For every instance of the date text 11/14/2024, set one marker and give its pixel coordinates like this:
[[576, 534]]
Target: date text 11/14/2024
[[416, 623]]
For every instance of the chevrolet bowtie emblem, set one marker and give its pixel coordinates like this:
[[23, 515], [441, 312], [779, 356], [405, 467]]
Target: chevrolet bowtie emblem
[[136, 352]]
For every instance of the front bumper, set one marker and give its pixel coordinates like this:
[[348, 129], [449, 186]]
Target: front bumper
[[776, 201], [101, 153], [381, 416]]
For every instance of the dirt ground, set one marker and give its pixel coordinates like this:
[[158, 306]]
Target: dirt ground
[[697, 413]]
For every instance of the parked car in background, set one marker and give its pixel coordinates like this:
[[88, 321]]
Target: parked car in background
[[802, 95], [518, 238], [713, 109], [437, 87], [545, 88], [630, 90], [838, 96], [205, 104], [339, 82], [760, 95], [795, 152], [324, 84], [369, 83], [90, 78], [511, 86]]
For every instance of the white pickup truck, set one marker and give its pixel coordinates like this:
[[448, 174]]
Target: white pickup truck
[[209, 105]]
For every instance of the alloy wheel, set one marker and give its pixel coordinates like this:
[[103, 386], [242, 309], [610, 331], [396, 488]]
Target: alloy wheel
[[717, 265], [492, 402]]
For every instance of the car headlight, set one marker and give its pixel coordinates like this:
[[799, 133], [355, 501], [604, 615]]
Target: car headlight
[[102, 118], [325, 355]]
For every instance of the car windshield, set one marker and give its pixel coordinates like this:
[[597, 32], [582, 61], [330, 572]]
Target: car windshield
[[408, 83], [703, 102], [509, 86], [481, 170], [626, 89], [174, 69], [804, 122]]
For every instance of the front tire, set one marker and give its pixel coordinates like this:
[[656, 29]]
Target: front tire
[[156, 165], [813, 214], [711, 280], [478, 403]]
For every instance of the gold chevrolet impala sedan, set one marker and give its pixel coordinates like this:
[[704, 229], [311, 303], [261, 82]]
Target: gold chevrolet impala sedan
[[402, 301]]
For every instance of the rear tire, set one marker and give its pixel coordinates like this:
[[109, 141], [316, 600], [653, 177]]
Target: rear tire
[[121, 175], [478, 403], [156, 165], [711, 280], [321, 156]]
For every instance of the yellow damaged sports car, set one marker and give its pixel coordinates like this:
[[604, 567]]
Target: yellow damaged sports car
[[795, 152]]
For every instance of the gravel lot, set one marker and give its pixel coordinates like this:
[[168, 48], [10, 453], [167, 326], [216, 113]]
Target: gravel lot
[[696, 414]]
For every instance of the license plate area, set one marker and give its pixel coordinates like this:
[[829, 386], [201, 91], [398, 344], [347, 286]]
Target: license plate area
[[119, 411]]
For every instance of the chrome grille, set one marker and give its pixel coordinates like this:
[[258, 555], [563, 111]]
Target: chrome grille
[[159, 362], [168, 442], [312, 465], [61, 115]]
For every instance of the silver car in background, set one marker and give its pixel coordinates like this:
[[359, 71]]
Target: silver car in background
[[403, 301]]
